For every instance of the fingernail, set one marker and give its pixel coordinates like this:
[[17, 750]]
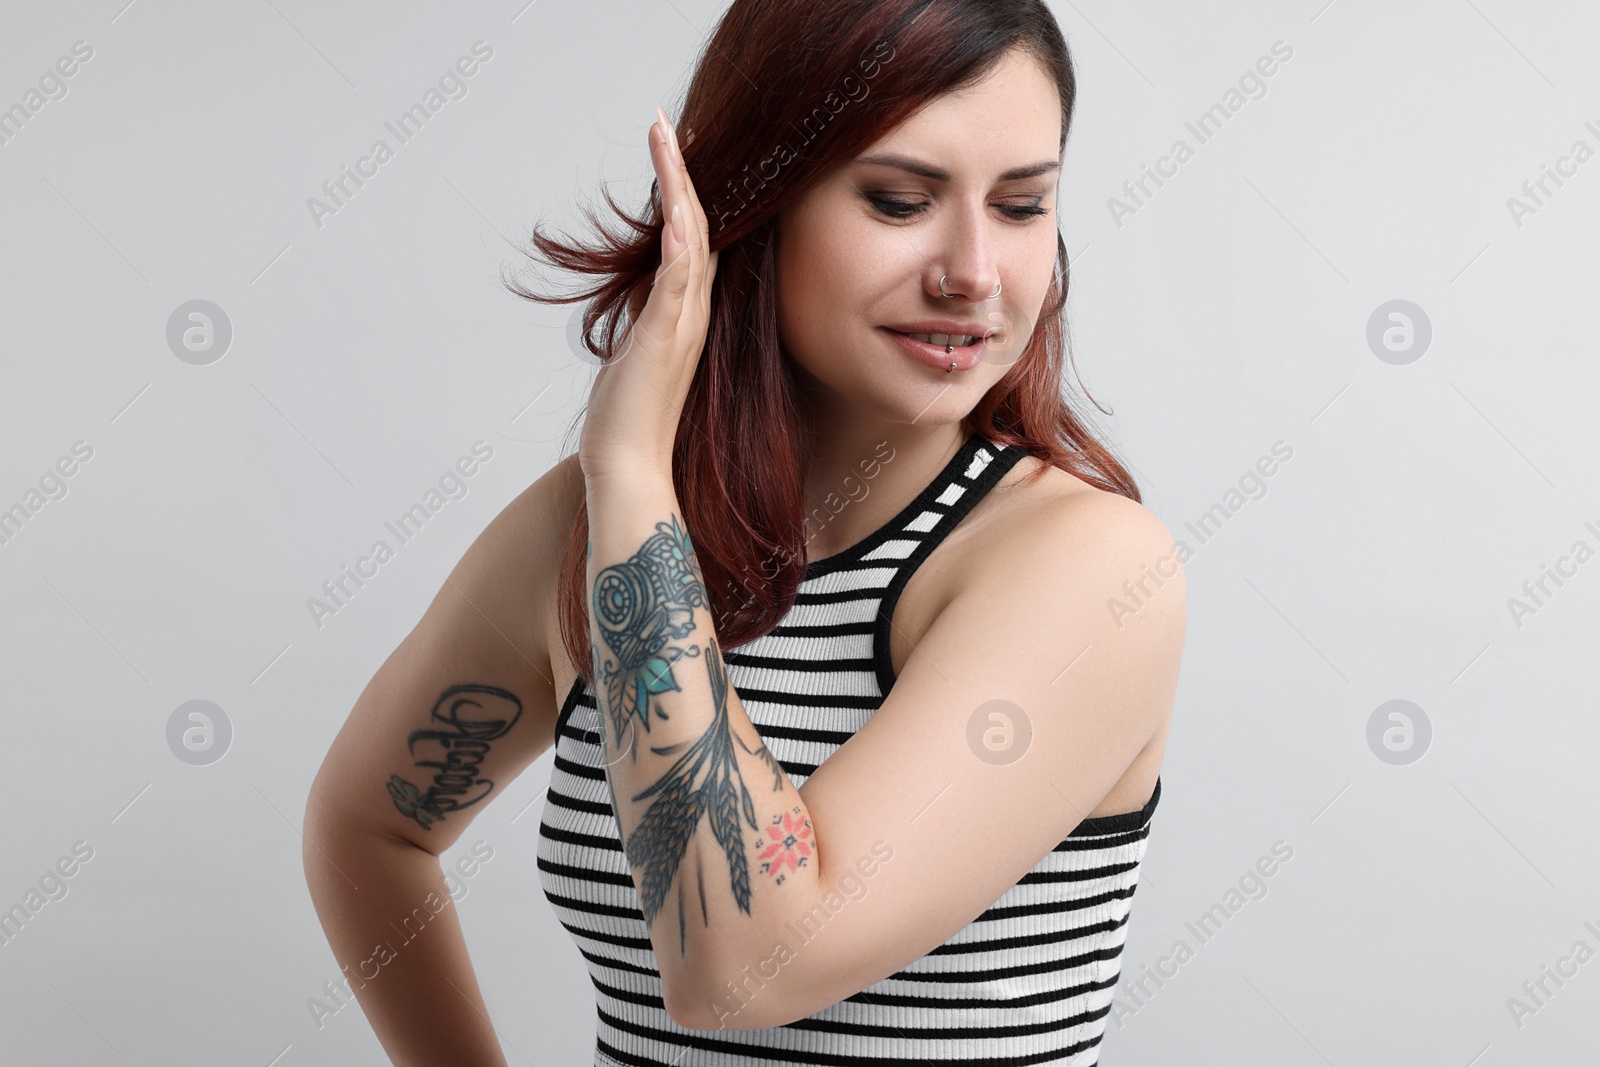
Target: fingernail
[[676, 223], [670, 134]]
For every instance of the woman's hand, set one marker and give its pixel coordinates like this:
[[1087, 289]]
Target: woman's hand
[[638, 395]]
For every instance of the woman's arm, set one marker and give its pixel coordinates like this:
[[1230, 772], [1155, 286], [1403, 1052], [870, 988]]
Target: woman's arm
[[918, 822], [458, 710], [420, 996], [712, 828]]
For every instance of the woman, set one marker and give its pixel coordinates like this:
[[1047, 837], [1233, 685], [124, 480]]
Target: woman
[[856, 649]]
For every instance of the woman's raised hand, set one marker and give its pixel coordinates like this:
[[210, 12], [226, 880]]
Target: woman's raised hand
[[638, 396]]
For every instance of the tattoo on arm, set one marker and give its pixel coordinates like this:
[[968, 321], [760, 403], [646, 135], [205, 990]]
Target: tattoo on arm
[[642, 607], [788, 845], [473, 716]]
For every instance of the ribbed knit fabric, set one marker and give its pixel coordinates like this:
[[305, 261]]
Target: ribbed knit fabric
[[1029, 981]]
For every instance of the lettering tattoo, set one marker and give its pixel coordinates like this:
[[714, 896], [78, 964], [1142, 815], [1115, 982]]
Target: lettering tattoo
[[474, 716], [642, 607]]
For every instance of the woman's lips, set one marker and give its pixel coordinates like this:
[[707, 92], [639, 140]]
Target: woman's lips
[[965, 357]]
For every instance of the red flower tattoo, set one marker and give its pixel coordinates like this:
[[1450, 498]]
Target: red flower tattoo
[[789, 847]]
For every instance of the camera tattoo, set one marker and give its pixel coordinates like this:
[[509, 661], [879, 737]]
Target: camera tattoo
[[473, 716]]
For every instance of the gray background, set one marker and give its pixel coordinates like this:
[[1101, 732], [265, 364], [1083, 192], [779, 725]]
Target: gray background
[[1227, 313]]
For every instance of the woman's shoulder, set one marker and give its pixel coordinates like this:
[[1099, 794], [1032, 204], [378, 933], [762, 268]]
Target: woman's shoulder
[[548, 508], [535, 527], [1037, 507]]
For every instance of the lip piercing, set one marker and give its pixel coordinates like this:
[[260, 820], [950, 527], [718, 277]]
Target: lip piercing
[[949, 349]]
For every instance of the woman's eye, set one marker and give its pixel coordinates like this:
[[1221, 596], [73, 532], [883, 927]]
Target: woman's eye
[[905, 209], [895, 209]]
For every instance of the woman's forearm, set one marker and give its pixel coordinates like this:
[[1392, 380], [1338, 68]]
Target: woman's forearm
[[719, 842], [389, 917]]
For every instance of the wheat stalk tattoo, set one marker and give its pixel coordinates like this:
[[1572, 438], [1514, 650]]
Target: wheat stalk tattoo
[[641, 607]]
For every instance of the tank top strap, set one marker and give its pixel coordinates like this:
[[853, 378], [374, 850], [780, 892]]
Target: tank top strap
[[980, 465], [905, 540], [976, 469]]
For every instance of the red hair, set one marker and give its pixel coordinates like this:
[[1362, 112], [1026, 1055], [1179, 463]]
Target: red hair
[[772, 111]]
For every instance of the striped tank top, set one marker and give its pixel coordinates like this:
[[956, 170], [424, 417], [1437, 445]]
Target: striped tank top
[[1029, 981]]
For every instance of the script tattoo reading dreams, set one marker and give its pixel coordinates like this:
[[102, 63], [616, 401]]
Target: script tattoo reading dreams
[[641, 607], [474, 716]]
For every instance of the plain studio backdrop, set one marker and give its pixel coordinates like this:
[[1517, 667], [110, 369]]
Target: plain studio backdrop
[[1369, 273]]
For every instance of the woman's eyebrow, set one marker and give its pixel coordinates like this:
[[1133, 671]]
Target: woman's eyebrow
[[932, 173]]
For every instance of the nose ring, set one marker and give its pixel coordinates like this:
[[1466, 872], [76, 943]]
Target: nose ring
[[951, 296]]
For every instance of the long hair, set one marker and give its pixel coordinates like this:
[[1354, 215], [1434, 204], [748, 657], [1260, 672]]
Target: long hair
[[786, 92]]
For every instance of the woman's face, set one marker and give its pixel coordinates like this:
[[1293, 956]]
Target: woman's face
[[860, 256]]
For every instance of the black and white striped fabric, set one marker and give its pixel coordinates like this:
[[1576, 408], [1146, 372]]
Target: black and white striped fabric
[[1029, 981]]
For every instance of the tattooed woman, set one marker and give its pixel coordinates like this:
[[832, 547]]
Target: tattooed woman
[[856, 650]]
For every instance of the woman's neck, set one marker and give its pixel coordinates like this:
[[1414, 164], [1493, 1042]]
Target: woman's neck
[[862, 476]]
